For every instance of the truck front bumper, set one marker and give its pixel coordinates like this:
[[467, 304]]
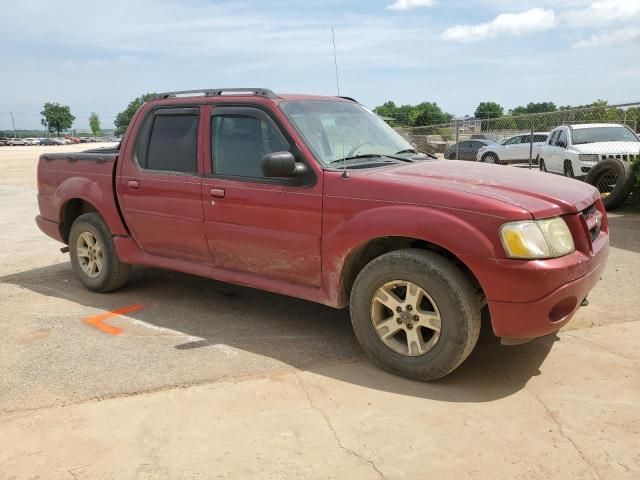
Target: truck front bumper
[[529, 299]]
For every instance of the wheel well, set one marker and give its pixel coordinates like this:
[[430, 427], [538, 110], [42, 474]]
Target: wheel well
[[72, 210], [379, 246]]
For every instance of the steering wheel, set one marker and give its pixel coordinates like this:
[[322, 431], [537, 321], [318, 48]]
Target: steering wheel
[[358, 147]]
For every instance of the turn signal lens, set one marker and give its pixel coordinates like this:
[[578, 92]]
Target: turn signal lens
[[533, 239]]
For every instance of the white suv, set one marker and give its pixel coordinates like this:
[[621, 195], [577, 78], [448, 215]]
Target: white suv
[[514, 149], [573, 150]]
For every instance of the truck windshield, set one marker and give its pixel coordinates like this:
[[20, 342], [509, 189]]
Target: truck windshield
[[603, 134], [337, 130]]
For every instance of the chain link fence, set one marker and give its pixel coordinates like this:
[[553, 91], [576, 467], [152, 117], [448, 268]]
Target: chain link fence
[[597, 144]]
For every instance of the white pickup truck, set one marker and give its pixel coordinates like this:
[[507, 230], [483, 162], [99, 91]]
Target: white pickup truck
[[573, 150]]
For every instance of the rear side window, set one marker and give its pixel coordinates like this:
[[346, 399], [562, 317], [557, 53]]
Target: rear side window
[[173, 143], [539, 138]]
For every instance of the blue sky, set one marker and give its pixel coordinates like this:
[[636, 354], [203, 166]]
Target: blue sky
[[98, 56]]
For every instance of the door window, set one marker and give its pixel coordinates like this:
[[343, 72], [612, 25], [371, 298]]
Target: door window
[[561, 141], [173, 143], [553, 137], [240, 141]]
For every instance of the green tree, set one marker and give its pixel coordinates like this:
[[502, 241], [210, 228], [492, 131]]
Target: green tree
[[428, 113], [489, 110], [540, 107], [94, 124], [56, 117], [399, 114], [124, 118]]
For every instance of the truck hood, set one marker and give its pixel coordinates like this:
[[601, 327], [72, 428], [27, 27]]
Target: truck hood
[[542, 194], [602, 148]]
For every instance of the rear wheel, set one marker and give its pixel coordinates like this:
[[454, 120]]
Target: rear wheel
[[93, 255], [490, 158], [415, 314]]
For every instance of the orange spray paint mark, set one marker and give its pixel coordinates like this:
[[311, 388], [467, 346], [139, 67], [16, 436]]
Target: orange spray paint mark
[[97, 321]]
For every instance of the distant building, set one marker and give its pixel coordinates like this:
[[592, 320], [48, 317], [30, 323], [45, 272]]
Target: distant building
[[469, 124]]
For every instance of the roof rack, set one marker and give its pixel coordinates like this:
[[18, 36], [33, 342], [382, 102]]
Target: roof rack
[[348, 98], [218, 92]]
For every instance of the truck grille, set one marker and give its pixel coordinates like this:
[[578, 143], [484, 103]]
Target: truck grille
[[591, 216], [622, 156]]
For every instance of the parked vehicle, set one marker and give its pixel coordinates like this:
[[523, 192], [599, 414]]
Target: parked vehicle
[[32, 141], [51, 141], [72, 139], [466, 149], [573, 150], [317, 198], [17, 142], [514, 149], [3, 141]]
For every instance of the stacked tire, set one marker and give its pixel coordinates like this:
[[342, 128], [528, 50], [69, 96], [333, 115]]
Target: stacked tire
[[614, 180]]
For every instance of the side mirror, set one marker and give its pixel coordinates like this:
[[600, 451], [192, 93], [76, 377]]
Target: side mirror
[[282, 164]]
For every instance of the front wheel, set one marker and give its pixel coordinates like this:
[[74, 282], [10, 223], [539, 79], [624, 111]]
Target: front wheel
[[415, 314], [541, 164], [93, 255], [568, 169]]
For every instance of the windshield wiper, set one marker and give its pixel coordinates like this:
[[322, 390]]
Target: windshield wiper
[[356, 157], [407, 150]]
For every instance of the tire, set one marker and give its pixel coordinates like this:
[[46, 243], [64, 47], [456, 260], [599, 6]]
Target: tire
[[568, 169], [612, 196], [113, 273], [490, 158], [542, 165], [447, 291]]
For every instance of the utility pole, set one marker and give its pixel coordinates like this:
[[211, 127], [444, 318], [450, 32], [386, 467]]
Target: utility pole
[[13, 124]]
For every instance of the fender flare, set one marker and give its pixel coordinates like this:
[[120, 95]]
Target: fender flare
[[98, 194]]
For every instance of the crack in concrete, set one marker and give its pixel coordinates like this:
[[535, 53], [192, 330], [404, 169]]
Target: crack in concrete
[[561, 430], [333, 430], [580, 338], [70, 471]]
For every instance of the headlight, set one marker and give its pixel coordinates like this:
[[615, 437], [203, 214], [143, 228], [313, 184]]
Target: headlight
[[588, 157], [533, 239]]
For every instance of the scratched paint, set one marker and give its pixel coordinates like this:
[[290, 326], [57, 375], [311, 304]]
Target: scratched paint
[[98, 321]]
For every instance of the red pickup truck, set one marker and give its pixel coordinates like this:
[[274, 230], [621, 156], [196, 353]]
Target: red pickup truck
[[316, 197]]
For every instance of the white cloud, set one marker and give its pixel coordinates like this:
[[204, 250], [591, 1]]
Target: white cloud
[[409, 4], [624, 36], [515, 24], [602, 12]]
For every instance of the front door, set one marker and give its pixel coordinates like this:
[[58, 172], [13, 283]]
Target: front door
[[160, 186], [253, 224]]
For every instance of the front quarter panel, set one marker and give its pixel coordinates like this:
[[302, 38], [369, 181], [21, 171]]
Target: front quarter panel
[[349, 223]]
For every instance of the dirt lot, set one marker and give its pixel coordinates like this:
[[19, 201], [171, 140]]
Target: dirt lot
[[210, 380]]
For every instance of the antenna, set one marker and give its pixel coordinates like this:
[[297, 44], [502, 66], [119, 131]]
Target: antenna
[[345, 174], [335, 59]]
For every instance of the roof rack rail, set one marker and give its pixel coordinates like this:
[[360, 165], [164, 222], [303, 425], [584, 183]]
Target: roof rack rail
[[348, 98], [217, 92]]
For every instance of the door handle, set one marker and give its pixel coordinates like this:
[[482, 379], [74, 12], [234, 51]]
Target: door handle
[[133, 184], [217, 192]]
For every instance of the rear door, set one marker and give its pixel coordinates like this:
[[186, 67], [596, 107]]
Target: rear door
[[160, 186], [256, 225]]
